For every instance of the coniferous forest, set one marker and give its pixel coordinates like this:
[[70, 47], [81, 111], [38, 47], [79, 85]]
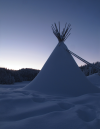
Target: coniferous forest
[[11, 76], [88, 70]]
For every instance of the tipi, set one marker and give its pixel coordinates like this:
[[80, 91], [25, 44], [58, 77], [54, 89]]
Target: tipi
[[60, 74]]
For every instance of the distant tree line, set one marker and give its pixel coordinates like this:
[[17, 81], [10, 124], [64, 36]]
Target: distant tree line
[[88, 70], [11, 76]]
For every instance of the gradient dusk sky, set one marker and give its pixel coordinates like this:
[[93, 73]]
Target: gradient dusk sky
[[26, 38]]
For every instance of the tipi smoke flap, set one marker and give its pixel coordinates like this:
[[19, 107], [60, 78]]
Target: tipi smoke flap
[[60, 74]]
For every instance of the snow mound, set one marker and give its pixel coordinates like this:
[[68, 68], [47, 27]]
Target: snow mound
[[60, 75], [94, 79]]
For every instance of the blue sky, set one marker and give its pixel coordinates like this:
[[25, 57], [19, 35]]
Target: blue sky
[[26, 38]]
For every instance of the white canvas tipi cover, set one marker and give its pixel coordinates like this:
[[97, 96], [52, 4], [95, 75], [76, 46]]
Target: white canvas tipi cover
[[61, 76]]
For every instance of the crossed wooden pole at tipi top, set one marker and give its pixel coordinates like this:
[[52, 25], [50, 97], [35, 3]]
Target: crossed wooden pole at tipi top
[[63, 36]]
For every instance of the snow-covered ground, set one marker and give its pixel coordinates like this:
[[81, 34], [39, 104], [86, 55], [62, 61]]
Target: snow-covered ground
[[22, 109]]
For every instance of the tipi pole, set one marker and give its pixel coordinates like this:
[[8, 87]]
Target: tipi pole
[[83, 60]]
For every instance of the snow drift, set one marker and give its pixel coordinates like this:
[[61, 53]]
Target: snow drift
[[60, 75]]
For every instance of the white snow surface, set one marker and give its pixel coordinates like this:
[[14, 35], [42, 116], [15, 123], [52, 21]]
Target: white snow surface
[[55, 99], [22, 109], [94, 79], [60, 75]]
